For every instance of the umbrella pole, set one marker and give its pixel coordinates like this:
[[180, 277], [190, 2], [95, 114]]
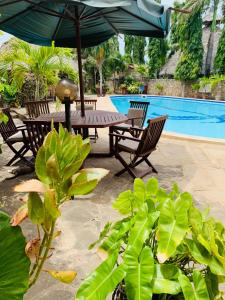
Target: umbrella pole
[[78, 40]]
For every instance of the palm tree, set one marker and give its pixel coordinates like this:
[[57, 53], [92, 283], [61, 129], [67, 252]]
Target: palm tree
[[117, 64], [42, 63], [203, 5]]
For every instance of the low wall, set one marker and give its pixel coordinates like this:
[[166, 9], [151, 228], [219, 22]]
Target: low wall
[[172, 87]]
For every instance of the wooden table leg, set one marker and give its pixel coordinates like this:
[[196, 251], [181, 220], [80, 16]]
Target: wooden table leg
[[111, 151]]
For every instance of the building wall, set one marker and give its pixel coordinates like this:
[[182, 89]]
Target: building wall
[[172, 87]]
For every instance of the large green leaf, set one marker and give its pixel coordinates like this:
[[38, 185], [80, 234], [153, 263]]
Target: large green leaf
[[139, 273], [4, 220], [14, 264], [102, 281], [202, 256], [139, 192], [172, 226], [165, 280], [152, 187], [113, 241], [196, 290], [212, 284], [142, 227], [124, 203], [40, 166]]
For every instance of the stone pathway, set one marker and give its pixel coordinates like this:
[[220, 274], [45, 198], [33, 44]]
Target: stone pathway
[[198, 168]]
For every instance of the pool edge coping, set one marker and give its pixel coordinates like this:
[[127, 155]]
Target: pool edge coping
[[192, 138]]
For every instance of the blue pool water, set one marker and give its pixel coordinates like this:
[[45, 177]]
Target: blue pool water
[[186, 116]]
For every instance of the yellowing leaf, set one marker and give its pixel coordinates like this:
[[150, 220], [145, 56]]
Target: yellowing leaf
[[32, 248], [50, 204], [32, 185], [20, 215], [95, 173], [36, 208], [63, 276]]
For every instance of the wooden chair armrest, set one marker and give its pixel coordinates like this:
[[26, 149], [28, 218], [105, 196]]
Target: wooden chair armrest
[[21, 127], [137, 128], [125, 137]]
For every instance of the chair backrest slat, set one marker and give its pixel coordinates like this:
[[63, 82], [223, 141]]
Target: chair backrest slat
[[36, 134], [140, 105], [86, 101], [37, 108], [151, 135], [9, 128]]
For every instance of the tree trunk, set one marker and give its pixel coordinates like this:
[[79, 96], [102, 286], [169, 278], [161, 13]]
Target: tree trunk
[[100, 79], [208, 60], [37, 89]]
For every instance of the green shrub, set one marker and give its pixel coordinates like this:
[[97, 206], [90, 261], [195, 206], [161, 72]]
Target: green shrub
[[60, 176], [163, 247]]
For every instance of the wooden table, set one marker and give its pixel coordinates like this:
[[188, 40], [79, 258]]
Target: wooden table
[[92, 119]]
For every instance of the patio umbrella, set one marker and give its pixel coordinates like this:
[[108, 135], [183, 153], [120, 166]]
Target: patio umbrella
[[81, 23]]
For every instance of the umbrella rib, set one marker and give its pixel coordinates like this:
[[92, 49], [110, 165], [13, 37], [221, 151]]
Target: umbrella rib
[[59, 23], [96, 14], [110, 24], [48, 11], [9, 3], [140, 18], [20, 13]]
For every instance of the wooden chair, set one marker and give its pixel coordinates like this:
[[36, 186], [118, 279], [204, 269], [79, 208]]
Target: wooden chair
[[12, 135], [140, 148], [136, 118], [37, 108], [36, 133], [89, 104]]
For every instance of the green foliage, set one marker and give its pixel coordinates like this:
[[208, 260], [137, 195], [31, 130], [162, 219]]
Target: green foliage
[[157, 50], [219, 62], [211, 81], [3, 117], [58, 167], [22, 61], [166, 246], [14, 264], [139, 49], [135, 48], [8, 92], [190, 43], [159, 87], [133, 88]]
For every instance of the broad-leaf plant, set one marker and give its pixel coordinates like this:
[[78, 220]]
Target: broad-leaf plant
[[164, 247], [58, 167]]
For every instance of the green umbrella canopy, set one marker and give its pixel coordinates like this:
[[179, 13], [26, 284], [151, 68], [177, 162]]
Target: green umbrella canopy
[[41, 22], [82, 23]]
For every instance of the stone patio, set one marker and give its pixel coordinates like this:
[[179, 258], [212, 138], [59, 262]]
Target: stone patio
[[197, 167]]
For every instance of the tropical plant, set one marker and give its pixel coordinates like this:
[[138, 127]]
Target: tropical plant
[[190, 43], [219, 61], [157, 51], [60, 175], [98, 56], [8, 92], [159, 87], [22, 60], [134, 88], [164, 247], [139, 50]]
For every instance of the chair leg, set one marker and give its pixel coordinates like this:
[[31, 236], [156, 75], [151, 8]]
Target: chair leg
[[150, 165], [19, 154], [126, 167]]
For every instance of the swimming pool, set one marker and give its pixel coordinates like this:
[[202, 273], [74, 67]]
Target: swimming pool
[[186, 116]]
